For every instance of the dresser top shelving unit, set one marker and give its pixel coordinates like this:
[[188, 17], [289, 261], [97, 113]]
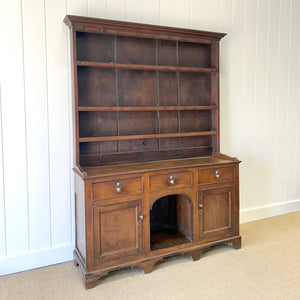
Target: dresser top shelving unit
[[143, 92]]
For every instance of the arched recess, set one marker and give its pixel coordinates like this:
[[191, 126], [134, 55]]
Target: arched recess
[[171, 221]]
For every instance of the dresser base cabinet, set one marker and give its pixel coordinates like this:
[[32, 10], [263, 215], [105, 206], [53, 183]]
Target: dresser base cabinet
[[137, 214]]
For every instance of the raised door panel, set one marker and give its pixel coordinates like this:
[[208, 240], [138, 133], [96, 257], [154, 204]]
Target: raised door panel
[[216, 207], [118, 230]]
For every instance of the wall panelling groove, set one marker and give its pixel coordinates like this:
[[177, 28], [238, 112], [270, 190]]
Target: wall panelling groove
[[226, 20], [259, 90], [59, 131], [3, 251], [198, 14], [34, 56], [13, 130]]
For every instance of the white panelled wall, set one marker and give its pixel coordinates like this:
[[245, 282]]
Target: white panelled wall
[[260, 110]]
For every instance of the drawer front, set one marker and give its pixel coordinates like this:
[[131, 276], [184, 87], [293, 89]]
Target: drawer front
[[215, 175], [116, 188], [170, 180]]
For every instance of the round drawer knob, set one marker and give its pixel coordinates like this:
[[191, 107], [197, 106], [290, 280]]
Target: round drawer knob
[[118, 188], [217, 174], [200, 208], [172, 181]]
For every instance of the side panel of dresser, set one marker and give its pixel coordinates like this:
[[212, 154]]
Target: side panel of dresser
[[80, 236]]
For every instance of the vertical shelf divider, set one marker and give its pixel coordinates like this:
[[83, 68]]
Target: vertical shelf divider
[[178, 100], [157, 91], [117, 91]]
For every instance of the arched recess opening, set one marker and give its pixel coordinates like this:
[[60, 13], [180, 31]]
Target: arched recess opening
[[171, 221]]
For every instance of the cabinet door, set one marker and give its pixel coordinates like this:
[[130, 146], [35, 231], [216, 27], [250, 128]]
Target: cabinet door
[[118, 230], [215, 208]]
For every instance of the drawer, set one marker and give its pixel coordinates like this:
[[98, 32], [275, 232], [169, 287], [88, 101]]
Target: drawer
[[170, 180], [215, 175], [116, 188]]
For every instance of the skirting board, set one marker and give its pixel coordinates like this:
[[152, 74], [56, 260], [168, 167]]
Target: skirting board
[[267, 211], [43, 258]]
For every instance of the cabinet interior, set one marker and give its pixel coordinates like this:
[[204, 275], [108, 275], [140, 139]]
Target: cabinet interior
[[170, 221]]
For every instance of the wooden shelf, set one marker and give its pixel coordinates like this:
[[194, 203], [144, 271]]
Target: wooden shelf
[[144, 136], [144, 67], [146, 108], [167, 237], [116, 158]]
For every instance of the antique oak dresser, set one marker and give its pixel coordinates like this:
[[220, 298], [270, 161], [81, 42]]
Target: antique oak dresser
[[150, 181]]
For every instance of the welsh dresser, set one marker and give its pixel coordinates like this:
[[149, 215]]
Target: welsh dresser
[[150, 181]]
